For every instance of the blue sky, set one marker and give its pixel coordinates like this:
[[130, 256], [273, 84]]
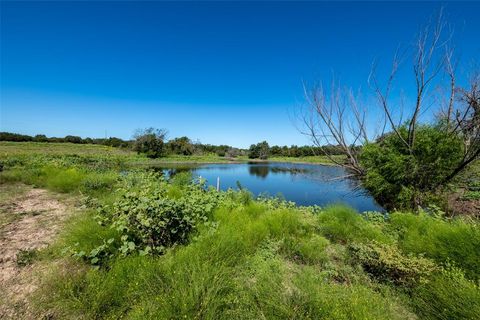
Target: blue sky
[[220, 72]]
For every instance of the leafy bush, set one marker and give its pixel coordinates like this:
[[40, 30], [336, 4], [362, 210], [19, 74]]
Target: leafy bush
[[149, 220], [26, 257], [400, 179], [387, 263]]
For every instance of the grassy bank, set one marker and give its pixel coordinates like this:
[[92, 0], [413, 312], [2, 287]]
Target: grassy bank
[[146, 248]]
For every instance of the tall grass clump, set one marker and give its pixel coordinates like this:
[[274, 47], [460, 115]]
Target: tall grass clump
[[446, 241], [448, 295], [344, 225]]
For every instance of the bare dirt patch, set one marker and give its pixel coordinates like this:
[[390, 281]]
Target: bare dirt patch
[[39, 216]]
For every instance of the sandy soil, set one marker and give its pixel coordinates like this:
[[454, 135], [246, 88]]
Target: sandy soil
[[40, 218]]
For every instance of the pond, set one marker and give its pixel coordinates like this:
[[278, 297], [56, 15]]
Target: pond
[[305, 184]]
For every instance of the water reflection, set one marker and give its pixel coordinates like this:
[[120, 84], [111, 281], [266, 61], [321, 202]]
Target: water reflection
[[304, 184], [259, 170]]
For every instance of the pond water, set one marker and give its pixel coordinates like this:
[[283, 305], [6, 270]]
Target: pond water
[[305, 184]]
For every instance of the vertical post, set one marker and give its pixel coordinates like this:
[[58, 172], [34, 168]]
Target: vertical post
[[218, 183]]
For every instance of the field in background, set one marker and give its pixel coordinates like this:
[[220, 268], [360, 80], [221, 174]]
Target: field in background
[[59, 149]]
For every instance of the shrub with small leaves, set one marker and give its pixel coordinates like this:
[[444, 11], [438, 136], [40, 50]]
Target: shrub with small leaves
[[386, 263]]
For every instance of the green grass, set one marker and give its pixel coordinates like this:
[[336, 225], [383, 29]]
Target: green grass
[[456, 241], [27, 149], [241, 271], [245, 259], [263, 261], [8, 148], [61, 179], [447, 295]]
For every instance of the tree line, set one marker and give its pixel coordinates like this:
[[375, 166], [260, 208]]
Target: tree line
[[154, 143]]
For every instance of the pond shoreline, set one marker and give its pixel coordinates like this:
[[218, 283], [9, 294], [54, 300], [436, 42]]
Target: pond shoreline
[[305, 184], [167, 161]]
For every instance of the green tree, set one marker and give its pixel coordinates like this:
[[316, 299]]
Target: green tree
[[400, 177], [182, 145], [150, 142], [259, 151]]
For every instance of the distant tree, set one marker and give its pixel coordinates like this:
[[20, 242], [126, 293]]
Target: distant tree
[[276, 151], [115, 142], [7, 136], [88, 140], [150, 142], [73, 139], [232, 152], [221, 150], [40, 138], [259, 151], [182, 145]]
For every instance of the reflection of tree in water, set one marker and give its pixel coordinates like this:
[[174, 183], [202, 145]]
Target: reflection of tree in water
[[262, 171], [259, 171], [174, 171], [171, 172], [289, 170]]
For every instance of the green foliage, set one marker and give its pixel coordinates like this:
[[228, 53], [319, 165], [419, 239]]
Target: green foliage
[[448, 295], [175, 249], [26, 257], [235, 271], [150, 142], [445, 241], [181, 146], [259, 151], [343, 224], [387, 263], [149, 219], [471, 195], [400, 179]]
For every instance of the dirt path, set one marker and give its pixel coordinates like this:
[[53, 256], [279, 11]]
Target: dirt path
[[38, 218]]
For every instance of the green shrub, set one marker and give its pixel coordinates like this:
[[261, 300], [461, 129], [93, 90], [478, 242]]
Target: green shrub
[[149, 220], [387, 263], [99, 181], [150, 142], [401, 179]]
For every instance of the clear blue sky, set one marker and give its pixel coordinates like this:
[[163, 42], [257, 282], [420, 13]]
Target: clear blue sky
[[221, 72]]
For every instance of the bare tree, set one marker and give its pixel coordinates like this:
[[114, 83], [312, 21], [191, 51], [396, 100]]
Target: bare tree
[[467, 124], [338, 117]]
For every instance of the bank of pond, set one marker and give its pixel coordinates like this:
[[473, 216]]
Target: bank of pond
[[163, 243]]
